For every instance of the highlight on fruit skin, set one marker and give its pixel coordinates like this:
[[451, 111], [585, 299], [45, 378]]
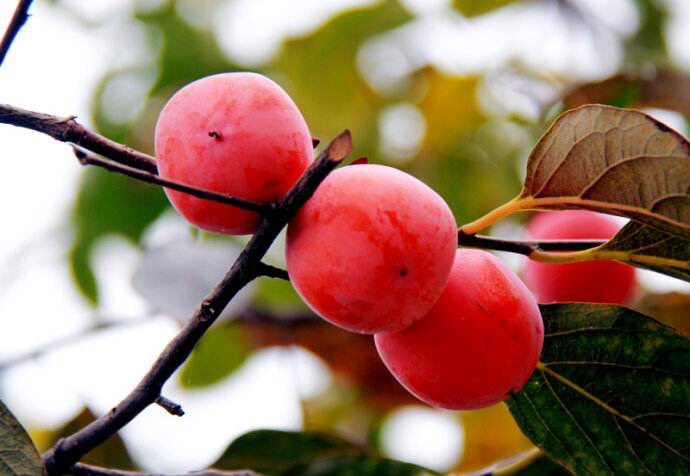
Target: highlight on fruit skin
[[372, 249], [603, 281], [238, 134], [480, 341]]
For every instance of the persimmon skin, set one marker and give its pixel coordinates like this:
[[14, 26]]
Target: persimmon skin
[[480, 341], [603, 281], [234, 133], [372, 249]]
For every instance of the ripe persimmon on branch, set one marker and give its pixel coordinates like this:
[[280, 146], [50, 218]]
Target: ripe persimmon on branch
[[140, 166], [374, 250], [246, 268]]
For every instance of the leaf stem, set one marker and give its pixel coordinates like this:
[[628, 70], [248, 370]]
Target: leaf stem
[[516, 204], [602, 254]]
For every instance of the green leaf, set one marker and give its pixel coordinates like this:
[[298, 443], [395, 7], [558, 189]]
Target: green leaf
[[83, 275], [611, 394], [321, 75], [542, 466], [278, 295], [272, 452], [648, 45], [109, 203], [359, 466], [222, 350], [18, 455], [187, 53], [471, 8]]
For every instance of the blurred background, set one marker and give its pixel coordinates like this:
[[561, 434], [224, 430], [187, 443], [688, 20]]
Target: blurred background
[[97, 272]]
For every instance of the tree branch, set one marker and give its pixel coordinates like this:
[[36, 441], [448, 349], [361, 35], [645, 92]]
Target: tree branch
[[148, 177], [72, 448], [21, 14], [169, 406], [69, 130], [269, 271], [524, 247], [81, 469]]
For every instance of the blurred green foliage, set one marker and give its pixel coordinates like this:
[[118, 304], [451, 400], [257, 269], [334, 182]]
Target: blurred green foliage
[[221, 351], [109, 204], [471, 8], [273, 452], [321, 74]]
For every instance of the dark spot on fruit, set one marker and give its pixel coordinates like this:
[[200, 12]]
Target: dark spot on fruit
[[270, 184], [403, 272], [216, 135]]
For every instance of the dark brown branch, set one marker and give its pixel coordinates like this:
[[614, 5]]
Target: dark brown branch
[[72, 448], [69, 130], [169, 406], [269, 271], [81, 469], [524, 247], [148, 177], [21, 14]]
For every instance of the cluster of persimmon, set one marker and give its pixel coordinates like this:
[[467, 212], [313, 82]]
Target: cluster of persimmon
[[373, 251]]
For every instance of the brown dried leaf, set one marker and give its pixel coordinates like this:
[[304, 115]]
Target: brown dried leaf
[[613, 160]]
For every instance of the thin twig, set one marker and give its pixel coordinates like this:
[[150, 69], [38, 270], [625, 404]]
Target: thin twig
[[86, 159], [269, 271], [69, 130], [169, 406], [81, 469], [21, 14], [524, 247], [72, 448]]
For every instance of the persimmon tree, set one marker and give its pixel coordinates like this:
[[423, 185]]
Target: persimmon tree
[[611, 390]]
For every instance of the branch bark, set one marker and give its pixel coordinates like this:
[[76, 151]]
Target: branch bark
[[21, 14], [524, 247], [69, 450], [148, 177], [69, 130]]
